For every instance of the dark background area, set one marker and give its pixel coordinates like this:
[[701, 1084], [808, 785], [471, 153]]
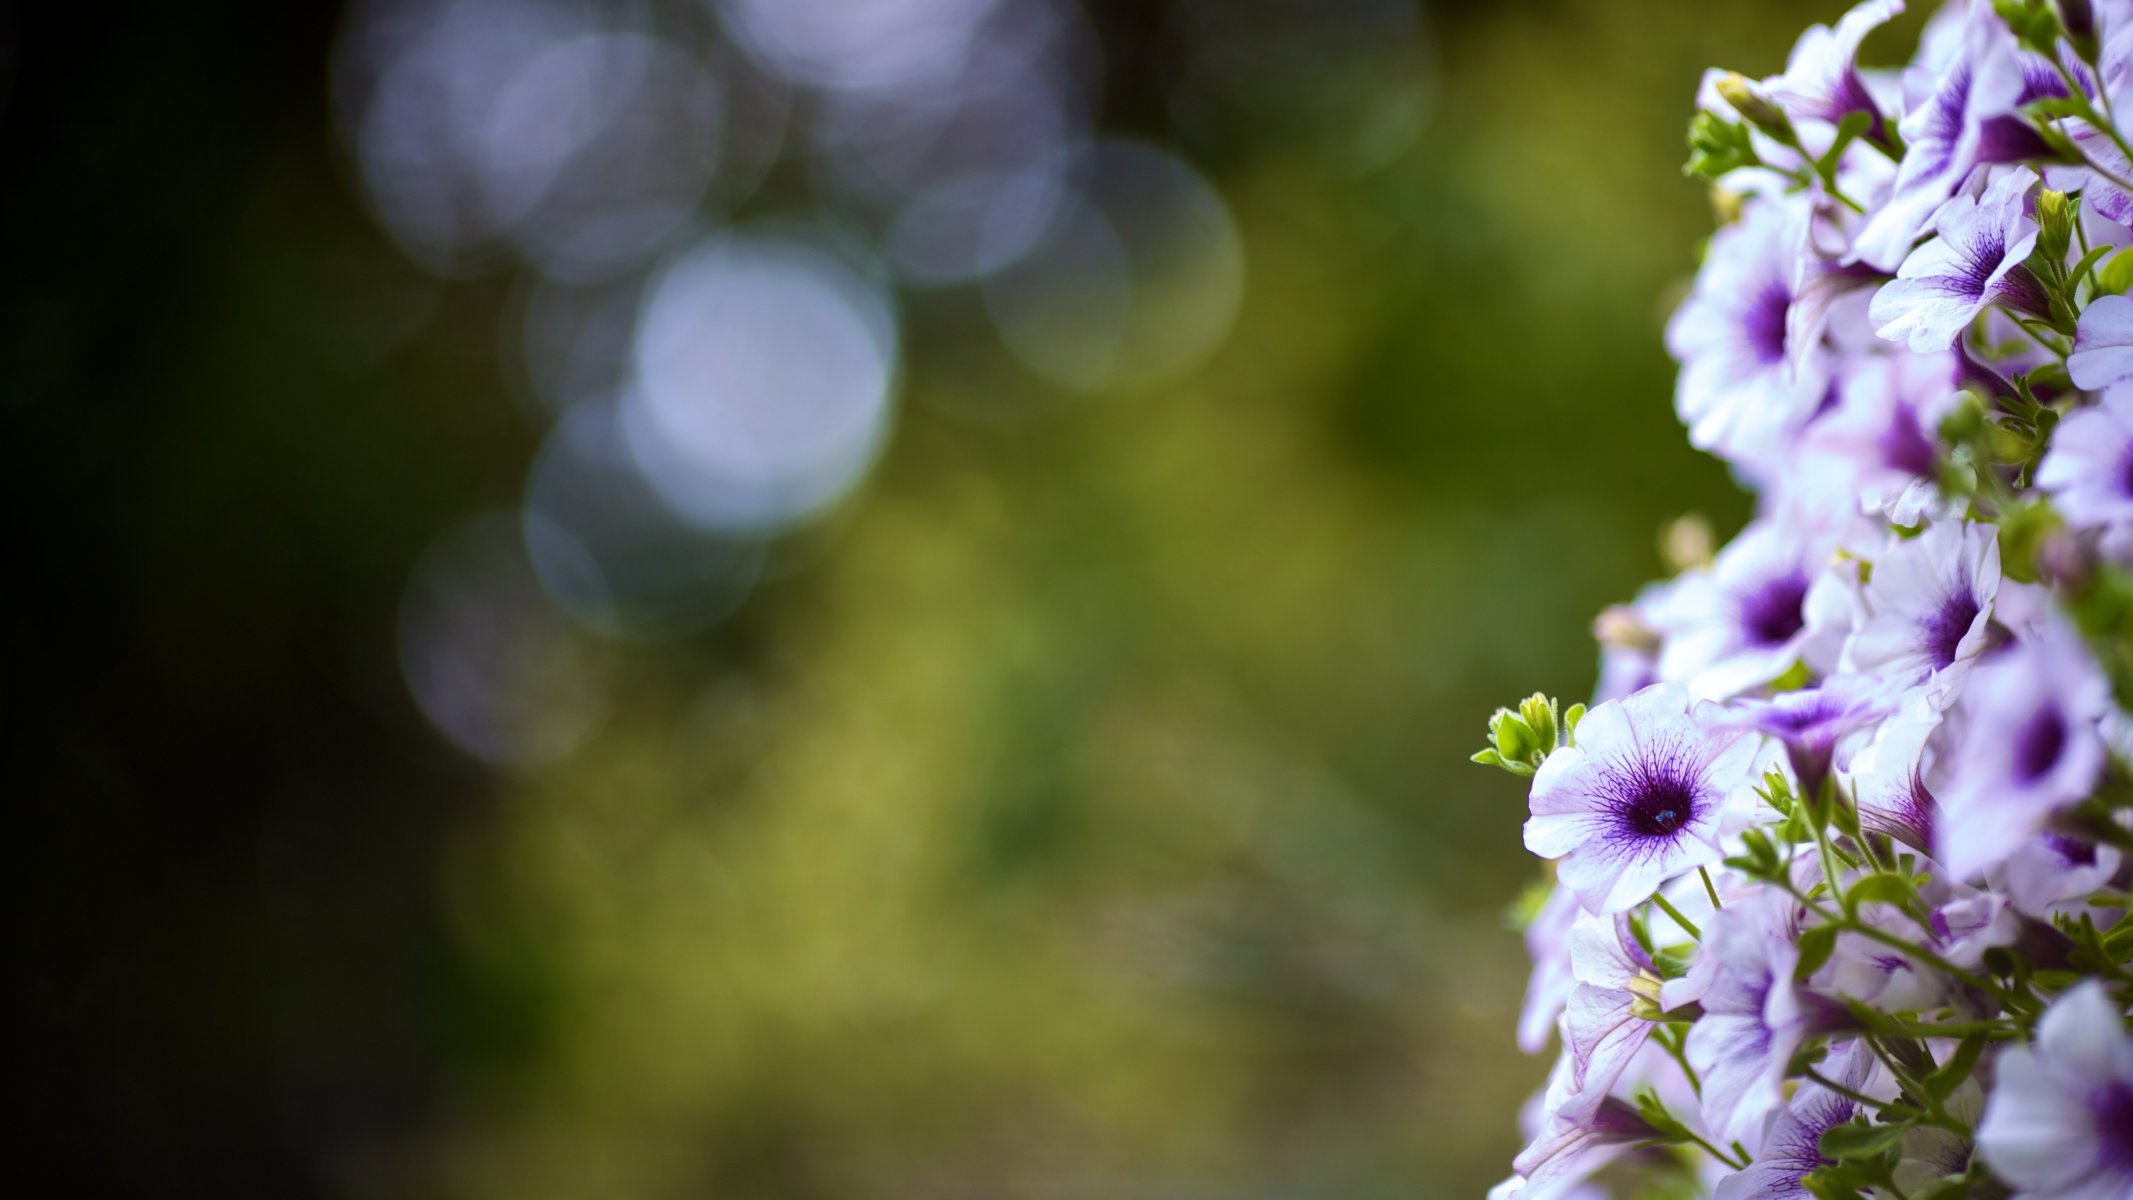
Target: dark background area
[[1084, 812]]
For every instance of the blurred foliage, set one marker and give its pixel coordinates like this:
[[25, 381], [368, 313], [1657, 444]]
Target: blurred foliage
[[1083, 812]]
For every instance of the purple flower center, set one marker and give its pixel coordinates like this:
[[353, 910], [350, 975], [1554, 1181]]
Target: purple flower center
[[2039, 744], [1905, 446], [2112, 1106], [2125, 471], [1946, 626], [2071, 851], [1772, 613], [1654, 798], [1763, 322]]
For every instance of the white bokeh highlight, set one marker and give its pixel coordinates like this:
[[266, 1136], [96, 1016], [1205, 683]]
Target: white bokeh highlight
[[765, 371]]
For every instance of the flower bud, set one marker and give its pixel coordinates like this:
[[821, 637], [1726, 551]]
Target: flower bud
[[1514, 740], [1538, 712], [1735, 89], [1644, 997], [1718, 146], [2055, 225], [1686, 543], [1618, 627]]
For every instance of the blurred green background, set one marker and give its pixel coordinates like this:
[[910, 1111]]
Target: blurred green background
[[1080, 809]]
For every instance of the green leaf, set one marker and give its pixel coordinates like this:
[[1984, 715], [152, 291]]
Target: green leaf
[[1884, 888], [1816, 944], [1855, 1141], [1942, 1083], [2088, 261], [2116, 275]]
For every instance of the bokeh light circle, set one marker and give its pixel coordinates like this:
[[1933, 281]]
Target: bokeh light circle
[[764, 371], [490, 660]]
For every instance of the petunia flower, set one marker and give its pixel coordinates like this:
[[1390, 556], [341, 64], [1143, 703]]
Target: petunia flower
[[1643, 796], [1929, 604], [1792, 1142], [2054, 873], [1810, 723], [1747, 618], [2089, 468], [1932, 1153], [1973, 262], [2030, 747], [2058, 1124], [1751, 1022], [2101, 193], [1548, 945], [1821, 78], [1745, 388], [1602, 1029], [1955, 114], [1888, 777], [1878, 449], [2103, 344], [1567, 1152]]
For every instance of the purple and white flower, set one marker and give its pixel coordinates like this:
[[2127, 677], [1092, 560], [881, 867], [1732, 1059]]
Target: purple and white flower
[[1821, 79], [2103, 344], [1751, 1020], [1974, 261], [1811, 723], [2059, 1122], [1954, 121], [2030, 748], [1566, 1152], [2054, 873], [1548, 945], [1888, 777], [1929, 604], [1931, 1153], [2089, 468], [1747, 619], [1792, 1142], [1602, 1030], [1745, 388], [1879, 448], [1643, 796]]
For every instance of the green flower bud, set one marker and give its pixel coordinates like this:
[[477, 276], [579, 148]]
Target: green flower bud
[[1717, 146], [1538, 711], [2055, 225], [1735, 89], [1514, 739]]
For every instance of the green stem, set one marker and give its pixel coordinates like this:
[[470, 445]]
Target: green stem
[[1715, 1152], [1709, 889], [1684, 922]]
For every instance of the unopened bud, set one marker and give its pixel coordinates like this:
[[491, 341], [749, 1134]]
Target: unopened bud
[[1687, 542], [1644, 997], [1734, 89], [1513, 738], [2055, 225], [1618, 627]]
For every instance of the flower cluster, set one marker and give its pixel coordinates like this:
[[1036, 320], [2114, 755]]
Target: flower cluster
[[1838, 898]]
